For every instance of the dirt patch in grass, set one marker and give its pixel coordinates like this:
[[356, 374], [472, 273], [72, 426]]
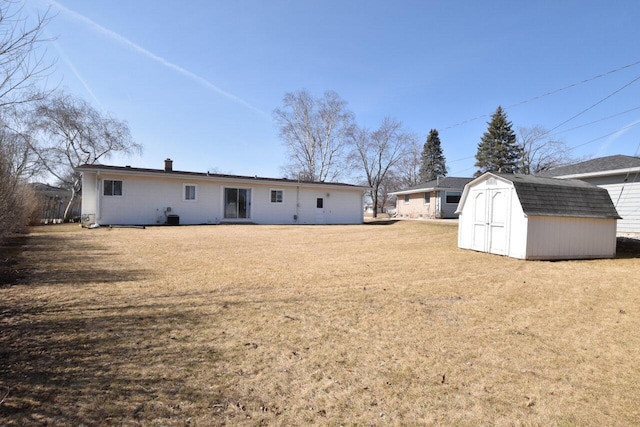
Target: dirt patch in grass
[[324, 325]]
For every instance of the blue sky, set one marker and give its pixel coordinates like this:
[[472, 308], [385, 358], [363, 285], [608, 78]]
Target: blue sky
[[197, 81]]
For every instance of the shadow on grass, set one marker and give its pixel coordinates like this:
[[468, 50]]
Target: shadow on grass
[[68, 358], [627, 248], [56, 259], [381, 221]]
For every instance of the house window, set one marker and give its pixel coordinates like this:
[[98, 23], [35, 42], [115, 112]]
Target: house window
[[406, 198], [320, 203], [112, 187], [453, 196], [427, 198], [237, 203], [277, 196], [189, 192]]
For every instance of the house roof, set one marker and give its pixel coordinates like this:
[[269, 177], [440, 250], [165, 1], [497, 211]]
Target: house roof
[[556, 197], [609, 165], [444, 183], [206, 175]]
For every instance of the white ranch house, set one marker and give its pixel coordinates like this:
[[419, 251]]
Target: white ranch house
[[529, 217], [123, 195]]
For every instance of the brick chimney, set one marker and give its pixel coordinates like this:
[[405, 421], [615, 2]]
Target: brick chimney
[[168, 165]]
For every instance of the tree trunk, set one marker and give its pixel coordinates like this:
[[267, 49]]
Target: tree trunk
[[68, 210], [74, 191], [374, 196]]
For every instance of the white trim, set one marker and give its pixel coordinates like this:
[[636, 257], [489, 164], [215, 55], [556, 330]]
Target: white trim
[[113, 195], [424, 199], [281, 190], [249, 206], [184, 192], [601, 173], [446, 193]]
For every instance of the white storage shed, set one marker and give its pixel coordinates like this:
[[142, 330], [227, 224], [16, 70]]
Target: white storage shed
[[530, 217]]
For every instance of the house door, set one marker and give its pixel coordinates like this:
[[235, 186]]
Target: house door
[[490, 212], [320, 210], [237, 203]]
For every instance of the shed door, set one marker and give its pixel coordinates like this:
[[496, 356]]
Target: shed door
[[490, 211], [497, 220]]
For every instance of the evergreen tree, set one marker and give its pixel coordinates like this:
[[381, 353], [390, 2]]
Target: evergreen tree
[[498, 150], [432, 160]]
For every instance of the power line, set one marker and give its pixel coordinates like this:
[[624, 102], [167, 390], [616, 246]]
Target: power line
[[604, 136], [546, 94], [599, 120], [592, 106]]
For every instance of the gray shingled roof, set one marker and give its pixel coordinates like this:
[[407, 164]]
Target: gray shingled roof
[[561, 197], [600, 164], [129, 169], [447, 182]]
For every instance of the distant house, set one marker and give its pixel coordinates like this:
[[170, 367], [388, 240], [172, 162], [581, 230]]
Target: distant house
[[124, 195], [434, 199], [530, 217], [619, 175], [53, 202]]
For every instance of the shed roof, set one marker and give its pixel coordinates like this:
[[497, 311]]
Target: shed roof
[[444, 183], [595, 166], [561, 197]]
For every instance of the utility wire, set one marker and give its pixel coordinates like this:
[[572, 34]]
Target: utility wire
[[546, 94], [599, 120], [604, 136], [592, 106]]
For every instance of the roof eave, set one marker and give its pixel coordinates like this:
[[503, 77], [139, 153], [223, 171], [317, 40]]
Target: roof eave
[[599, 173], [209, 177]]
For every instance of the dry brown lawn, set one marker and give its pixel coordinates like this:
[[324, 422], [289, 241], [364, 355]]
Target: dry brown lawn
[[312, 325]]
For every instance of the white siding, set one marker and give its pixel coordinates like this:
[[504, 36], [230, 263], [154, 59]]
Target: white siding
[[570, 238], [625, 197], [148, 199], [89, 193]]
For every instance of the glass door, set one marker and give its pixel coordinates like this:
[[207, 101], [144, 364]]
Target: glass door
[[237, 203]]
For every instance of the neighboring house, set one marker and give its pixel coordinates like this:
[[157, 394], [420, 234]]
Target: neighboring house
[[620, 175], [530, 217], [434, 199], [53, 202], [125, 195]]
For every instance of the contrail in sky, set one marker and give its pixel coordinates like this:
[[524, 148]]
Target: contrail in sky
[[117, 37], [75, 71], [605, 145]]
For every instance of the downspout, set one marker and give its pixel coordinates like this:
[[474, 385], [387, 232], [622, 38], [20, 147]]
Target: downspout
[[296, 217], [98, 198]]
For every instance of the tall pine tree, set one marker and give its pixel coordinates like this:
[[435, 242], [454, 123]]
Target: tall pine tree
[[498, 150], [432, 161]]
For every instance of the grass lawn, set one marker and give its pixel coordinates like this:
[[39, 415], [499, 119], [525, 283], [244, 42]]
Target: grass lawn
[[311, 325]]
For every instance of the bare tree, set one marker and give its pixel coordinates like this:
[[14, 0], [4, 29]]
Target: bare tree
[[378, 153], [22, 58], [72, 133], [17, 164], [408, 169], [315, 133], [540, 152], [22, 66]]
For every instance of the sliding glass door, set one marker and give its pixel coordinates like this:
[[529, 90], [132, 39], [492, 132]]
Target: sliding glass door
[[237, 203]]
